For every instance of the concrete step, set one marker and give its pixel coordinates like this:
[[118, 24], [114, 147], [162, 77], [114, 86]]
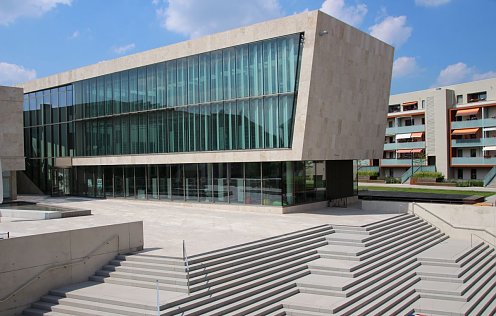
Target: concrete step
[[173, 260], [138, 283], [141, 277], [395, 284], [271, 310], [386, 221], [143, 271], [258, 257], [450, 251], [146, 265], [477, 263], [259, 271], [411, 248], [72, 310], [94, 306], [394, 243], [349, 227], [243, 248], [167, 264], [345, 243], [255, 302], [119, 295], [354, 238], [295, 312], [391, 227], [41, 312], [340, 230], [456, 291], [322, 282], [402, 305], [304, 302], [196, 304], [392, 231], [481, 303], [316, 291]]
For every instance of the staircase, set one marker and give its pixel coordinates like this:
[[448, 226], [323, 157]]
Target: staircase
[[391, 267], [490, 178]]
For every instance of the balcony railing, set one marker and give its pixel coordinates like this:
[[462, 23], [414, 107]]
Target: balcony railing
[[402, 162], [487, 122], [405, 129], [407, 145], [473, 161], [473, 142]]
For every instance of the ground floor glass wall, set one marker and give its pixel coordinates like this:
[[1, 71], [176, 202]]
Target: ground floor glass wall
[[254, 183]]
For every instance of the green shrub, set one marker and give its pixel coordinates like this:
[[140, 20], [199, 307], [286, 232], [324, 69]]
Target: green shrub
[[428, 174], [367, 173], [392, 180], [469, 183]]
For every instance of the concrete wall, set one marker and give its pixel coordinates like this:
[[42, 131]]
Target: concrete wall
[[66, 257], [11, 129], [349, 91], [457, 221]]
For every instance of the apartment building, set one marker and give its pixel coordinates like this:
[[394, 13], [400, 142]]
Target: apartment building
[[263, 115], [449, 129]]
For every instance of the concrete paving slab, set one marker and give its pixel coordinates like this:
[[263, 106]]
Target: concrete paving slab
[[448, 250], [166, 225], [324, 281], [333, 264]]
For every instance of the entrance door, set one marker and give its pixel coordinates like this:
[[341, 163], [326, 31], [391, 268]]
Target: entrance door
[[61, 182]]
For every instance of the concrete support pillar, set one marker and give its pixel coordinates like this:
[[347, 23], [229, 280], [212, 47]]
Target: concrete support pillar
[[289, 182]]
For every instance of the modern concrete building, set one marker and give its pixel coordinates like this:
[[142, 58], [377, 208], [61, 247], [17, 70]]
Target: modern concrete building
[[269, 114], [11, 140], [450, 129]]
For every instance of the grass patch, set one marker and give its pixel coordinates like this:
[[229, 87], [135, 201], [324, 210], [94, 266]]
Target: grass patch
[[421, 190]]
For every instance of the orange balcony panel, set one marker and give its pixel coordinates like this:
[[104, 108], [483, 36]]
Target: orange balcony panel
[[465, 131], [409, 103], [467, 112], [417, 135]]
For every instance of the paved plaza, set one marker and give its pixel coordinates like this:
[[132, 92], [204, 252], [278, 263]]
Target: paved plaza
[[167, 224]]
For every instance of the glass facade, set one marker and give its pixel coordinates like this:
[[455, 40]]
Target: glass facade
[[254, 183], [236, 98]]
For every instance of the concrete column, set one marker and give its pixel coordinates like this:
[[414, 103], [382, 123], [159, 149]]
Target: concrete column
[[13, 185]]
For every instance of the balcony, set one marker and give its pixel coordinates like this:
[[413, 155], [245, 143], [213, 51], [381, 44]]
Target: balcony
[[401, 162], [488, 122], [460, 161], [475, 142], [405, 129], [407, 145]]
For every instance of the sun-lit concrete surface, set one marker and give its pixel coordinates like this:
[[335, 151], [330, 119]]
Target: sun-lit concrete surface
[[167, 225]]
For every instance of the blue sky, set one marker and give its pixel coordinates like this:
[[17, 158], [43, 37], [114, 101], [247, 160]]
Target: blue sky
[[438, 42]]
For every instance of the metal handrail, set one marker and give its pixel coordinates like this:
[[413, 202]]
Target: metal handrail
[[63, 265], [186, 264], [456, 227]]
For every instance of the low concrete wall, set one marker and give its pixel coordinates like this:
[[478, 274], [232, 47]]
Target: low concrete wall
[[59, 258], [466, 222]]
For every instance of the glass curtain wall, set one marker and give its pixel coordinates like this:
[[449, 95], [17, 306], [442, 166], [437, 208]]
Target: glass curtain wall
[[254, 183], [240, 97], [236, 98]]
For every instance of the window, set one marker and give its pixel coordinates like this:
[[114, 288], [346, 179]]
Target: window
[[459, 153], [423, 121], [423, 104], [460, 174], [390, 123], [473, 174], [476, 97], [473, 153], [459, 99], [409, 122], [394, 108]]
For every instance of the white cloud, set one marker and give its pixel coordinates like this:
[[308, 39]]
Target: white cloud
[[485, 75], [431, 3], [124, 49], [392, 30], [352, 15], [404, 66], [11, 74], [461, 72], [75, 34], [10, 10], [194, 18], [454, 73]]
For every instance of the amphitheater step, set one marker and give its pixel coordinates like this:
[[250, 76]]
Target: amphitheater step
[[138, 283]]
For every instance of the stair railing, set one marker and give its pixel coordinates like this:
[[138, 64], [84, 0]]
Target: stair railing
[[490, 176], [63, 265], [457, 227], [186, 264]]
